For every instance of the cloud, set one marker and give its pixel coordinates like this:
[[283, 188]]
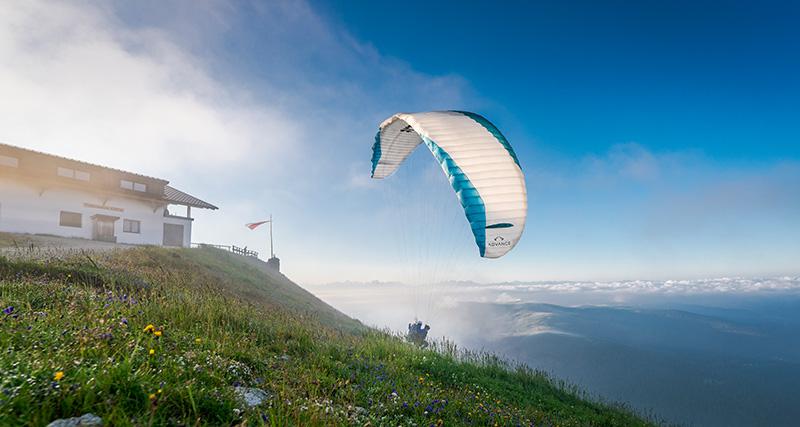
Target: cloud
[[770, 191], [723, 285], [78, 83], [505, 298], [512, 292], [634, 162], [628, 160], [529, 323]]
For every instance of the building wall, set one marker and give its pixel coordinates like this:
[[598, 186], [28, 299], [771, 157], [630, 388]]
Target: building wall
[[26, 207], [187, 228]]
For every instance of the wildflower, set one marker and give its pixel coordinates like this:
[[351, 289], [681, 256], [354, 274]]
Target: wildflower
[[152, 396], [149, 328], [124, 321], [157, 333], [58, 375], [197, 340], [152, 352], [8, 310], [158, 391]]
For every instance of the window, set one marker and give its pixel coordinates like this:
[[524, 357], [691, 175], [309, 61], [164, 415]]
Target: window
[[66, 173], [135, 186], [72, 173], [70, 219], [131, 226], [11, 162]]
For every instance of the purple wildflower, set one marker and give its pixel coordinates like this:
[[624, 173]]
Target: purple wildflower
[[8, 310]]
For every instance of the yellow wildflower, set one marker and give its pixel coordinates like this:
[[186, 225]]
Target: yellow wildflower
[[58, 375], [152, 396], [197, 340], [152, 352], [149, 328], [157, 333]]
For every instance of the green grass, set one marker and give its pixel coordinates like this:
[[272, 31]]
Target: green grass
[[227, 321]]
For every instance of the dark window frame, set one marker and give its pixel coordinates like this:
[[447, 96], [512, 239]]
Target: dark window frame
[[127, 226], [68, 219]]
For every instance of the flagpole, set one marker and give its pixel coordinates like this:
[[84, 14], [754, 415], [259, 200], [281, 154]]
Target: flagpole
[[271, 250]]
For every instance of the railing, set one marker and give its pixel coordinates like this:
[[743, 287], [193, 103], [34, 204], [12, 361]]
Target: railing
[[230, 248], [244, 251]]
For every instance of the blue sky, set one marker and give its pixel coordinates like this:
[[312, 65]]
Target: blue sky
[[659, 140]]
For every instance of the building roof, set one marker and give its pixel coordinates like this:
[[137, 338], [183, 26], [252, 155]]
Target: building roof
[[109, 179], [178, 197], [94, 165]]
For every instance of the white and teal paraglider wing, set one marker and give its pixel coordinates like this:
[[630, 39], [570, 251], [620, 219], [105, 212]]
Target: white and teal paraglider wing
[[477, 159]]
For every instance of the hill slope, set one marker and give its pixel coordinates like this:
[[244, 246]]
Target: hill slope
[[152, 336]]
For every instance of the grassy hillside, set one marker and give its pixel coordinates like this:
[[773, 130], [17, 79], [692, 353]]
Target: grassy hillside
[[152, 336]]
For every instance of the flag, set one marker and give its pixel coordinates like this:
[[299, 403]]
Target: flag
[[253, 225]]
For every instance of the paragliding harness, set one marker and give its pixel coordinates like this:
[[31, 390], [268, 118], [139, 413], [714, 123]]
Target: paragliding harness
[[417, 333]]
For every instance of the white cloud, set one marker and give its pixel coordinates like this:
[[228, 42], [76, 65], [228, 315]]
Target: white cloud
[[633, 161], [723, 285], [528, 323], [505, 298], [78, 83], [513, 292]]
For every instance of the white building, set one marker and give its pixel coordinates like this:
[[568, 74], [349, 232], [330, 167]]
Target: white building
[[46, 194]]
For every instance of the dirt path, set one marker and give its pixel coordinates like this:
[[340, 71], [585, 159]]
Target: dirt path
[[34, 244]]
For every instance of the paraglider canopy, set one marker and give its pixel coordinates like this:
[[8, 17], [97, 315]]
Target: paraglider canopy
[[477, 159]]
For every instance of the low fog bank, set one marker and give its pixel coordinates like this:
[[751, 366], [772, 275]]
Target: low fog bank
[[392, 305], [720, 351]]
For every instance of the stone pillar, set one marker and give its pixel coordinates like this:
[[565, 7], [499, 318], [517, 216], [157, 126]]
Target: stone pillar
[[274, 263]]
